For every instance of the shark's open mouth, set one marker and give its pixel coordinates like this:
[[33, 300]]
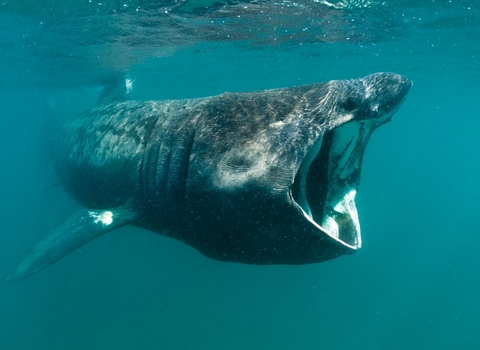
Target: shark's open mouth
[[327, 180]]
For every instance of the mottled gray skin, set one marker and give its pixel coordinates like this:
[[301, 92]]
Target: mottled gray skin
[[218, 172]]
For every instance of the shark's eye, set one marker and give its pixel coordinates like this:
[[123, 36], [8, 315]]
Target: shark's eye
[[351, 104]]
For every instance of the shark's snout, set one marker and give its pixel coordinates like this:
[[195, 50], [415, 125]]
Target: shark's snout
[[386, 91]]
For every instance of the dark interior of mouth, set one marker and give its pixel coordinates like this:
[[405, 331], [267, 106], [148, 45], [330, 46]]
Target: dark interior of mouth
[[310, 187], [317, 180], [326, 199]]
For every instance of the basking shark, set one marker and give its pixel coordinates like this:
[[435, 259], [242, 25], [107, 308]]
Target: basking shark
[[265, 177]]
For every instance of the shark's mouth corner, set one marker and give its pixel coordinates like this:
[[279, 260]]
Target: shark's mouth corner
[[327, 180]]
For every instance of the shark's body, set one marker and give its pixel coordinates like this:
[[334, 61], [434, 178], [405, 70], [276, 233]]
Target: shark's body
[[265, 177]]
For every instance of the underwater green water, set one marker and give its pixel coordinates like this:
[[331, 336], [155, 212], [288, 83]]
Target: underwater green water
[[415, 282]]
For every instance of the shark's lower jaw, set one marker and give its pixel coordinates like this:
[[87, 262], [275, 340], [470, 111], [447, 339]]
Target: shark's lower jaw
[[340, 220], [326, 183]]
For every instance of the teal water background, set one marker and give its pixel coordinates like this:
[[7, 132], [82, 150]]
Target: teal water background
[[415, 283]]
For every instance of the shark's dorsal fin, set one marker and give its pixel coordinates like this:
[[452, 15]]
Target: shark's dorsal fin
[[115, 89], [78, 229]]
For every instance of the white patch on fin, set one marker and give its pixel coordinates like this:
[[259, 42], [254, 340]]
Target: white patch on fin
[[105, 218], [128, 85]]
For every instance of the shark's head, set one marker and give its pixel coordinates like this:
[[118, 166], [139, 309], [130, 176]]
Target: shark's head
[[328, 175], [286, 168]]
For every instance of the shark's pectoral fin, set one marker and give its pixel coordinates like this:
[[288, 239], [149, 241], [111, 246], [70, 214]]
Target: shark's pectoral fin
[[78, 229]]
